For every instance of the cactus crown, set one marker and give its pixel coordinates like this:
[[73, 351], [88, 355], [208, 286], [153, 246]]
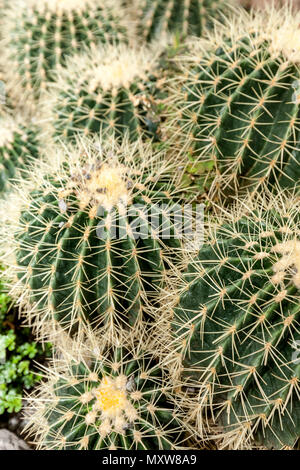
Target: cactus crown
[[236, 323], [114, 87], [119, 399], [86, 246], [112, 67], [105, 186], [240, 102]]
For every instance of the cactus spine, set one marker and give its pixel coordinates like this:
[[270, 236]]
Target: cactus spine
[[116, 400], [156, 17], [114, 88], [39, 35], [236, 324], [19, 146], [239, 102], [86, 247]]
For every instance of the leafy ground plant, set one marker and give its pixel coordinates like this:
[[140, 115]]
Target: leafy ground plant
[[17, 355]]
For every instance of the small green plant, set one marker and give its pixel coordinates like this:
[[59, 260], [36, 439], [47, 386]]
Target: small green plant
[[18, 352], [116, 399], [197, 178]]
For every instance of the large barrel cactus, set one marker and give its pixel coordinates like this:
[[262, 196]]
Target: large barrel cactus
[[39, 35], [119, 400], [236, 324], [93, 236], [19, 147], [156, 17], [239, 102], [113, 88]]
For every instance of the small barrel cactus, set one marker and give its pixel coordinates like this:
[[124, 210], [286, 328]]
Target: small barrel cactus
[[118, 400], [93, 235], [19, 146], [236, 324], [178, 16], [113, 88], [39, 35], [239, 102]]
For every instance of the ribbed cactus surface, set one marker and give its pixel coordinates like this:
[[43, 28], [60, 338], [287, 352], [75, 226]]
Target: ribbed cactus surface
[[39, 35], [3, 96], [178, 16], [237, 325], [113, 88], [93, 238], [240, 105], [116, 401], [19, 146]]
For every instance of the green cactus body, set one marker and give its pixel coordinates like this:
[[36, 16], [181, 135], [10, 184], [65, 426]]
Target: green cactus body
[[40, 35], [237, 325], [118, 402], [3, 97], [87, 250], [178, 16], [240, 108], [114, 88], [19, 146]]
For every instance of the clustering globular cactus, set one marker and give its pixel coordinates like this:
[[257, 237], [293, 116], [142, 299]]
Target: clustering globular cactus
[[39, 35], [113, 88], [94, 238], [236, 324], [116, 400], [19, 146], [239, 102], [156, 17]]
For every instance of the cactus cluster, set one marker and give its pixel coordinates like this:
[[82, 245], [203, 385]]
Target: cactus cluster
[[156, 17], [39, 35], [239, 103], [116, 400], [19, 146], [93, 238], [236, 323], [114, 87], [159, 343]]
